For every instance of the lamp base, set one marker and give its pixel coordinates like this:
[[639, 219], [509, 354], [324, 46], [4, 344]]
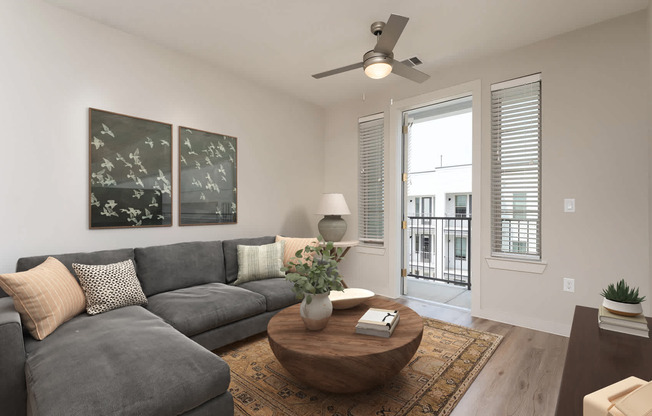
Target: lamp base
[[332, 228]]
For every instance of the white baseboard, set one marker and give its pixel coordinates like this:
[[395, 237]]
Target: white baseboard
[[523, 321]]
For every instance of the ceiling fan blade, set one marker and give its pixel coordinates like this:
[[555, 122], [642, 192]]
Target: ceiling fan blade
[[399, 68], [391, 32], [338, 70]]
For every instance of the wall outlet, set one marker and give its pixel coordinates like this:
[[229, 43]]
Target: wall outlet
[[569, 205], [569, 284]]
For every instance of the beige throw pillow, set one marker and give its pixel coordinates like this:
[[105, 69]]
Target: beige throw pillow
[[259, 262], [46, 296], [292, 245]]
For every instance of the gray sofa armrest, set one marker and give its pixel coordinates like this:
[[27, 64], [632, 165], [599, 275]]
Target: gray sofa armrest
[[13, 391]]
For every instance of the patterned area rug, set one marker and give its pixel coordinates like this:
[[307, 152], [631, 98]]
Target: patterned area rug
[[446, 363]]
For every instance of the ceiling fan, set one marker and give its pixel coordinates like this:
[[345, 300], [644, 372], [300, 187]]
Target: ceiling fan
[[379, 62]]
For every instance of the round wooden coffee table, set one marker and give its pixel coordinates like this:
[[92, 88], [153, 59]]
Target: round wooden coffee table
[[337, 359]]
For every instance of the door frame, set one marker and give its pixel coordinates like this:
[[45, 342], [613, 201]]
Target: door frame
[[396, 188]]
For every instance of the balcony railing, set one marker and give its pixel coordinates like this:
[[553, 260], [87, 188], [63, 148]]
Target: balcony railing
[[440, 249]]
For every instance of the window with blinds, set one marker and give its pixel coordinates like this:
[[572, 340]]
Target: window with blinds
[[516, 168], [371, 195]]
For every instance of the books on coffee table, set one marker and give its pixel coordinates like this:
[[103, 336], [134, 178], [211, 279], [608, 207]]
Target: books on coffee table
[[378, 322], [633, 325]]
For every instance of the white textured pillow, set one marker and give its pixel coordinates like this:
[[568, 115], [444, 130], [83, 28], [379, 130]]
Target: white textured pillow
[[109, 286], [260, 262]]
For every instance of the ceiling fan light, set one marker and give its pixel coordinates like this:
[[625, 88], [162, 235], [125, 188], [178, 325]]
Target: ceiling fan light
[[378, 70]]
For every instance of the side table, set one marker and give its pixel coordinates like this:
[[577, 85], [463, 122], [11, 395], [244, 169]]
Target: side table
[[346, 245]]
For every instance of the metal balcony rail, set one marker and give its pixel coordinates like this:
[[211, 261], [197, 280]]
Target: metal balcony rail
[[440, 249]]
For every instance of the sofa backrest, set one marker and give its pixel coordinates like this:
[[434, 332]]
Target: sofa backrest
[[95, 257], [166, 267], [231, 253], [175, 266]]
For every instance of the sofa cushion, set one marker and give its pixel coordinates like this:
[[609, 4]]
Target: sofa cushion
[[201, 308], [278, 292], [175, 266], [125, 361], [109, 286], [231, 253], [45, 296], [260, 262]]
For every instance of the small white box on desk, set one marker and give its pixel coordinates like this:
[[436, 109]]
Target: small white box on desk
[[602, 402]]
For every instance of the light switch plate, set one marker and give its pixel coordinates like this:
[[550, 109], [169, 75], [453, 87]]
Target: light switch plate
[[569, 205]]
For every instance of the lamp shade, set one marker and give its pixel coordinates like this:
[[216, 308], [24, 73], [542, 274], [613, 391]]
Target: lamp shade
[[378, 70], [333, 204]]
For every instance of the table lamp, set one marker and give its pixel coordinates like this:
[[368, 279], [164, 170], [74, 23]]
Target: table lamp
[[332, 227]]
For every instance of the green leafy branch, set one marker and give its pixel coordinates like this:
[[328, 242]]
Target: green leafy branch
[[313, 270]]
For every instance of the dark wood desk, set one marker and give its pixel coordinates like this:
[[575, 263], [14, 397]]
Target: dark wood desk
[[597, 358]]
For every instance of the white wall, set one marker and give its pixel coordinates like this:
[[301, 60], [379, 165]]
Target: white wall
[[595, 149], [55, 65]]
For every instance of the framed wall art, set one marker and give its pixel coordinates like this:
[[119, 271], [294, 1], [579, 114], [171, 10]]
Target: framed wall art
[[130, 171], [207, 178]]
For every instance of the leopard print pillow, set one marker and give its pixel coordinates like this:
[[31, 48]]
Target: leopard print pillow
[[110, 286]]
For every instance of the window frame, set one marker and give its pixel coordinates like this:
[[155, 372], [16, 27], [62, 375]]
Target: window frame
[[371, 180], [464, 241], [516, 174], [465, 206]]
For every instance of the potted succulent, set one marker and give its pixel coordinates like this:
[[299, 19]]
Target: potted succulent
[[622, 300], [314, 274]]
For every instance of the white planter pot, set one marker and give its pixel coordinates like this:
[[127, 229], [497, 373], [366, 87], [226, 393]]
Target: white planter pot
[[625, 309], [316, 314]]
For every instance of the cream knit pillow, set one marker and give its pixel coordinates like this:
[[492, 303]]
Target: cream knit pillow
[[259, 262]]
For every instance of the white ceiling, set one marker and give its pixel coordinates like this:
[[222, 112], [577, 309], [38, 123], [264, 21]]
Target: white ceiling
[[280, 43]]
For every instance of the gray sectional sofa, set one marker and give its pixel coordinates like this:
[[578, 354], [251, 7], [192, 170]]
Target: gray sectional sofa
[[152, 360]]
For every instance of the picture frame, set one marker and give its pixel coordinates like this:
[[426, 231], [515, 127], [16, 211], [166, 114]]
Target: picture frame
[[207, 178], [130, 171]]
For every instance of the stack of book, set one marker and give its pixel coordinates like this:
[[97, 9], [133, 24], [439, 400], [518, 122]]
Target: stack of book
[[378, 322], [634, 325]]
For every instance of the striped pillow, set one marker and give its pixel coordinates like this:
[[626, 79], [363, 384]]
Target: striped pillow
[[259, 262], [292, 245], [46, 296]]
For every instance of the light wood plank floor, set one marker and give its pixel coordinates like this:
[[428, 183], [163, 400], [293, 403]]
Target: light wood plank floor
[[522, 378]]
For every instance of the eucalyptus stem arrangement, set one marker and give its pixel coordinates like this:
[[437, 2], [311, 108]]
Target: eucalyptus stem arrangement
[[621, 292], [313, 270]]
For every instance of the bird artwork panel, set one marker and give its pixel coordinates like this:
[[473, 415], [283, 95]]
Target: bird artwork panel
[[207, 178], [130, 171]]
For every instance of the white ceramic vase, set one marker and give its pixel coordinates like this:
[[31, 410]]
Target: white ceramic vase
[[316, 314], [625, 309]]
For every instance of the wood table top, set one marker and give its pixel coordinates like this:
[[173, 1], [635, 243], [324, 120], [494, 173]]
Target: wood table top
[[338, 360], [597, 358], [339, 339]]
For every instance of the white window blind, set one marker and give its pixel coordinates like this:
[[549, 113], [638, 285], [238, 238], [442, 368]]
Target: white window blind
[[516, 168], [371, 203]]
